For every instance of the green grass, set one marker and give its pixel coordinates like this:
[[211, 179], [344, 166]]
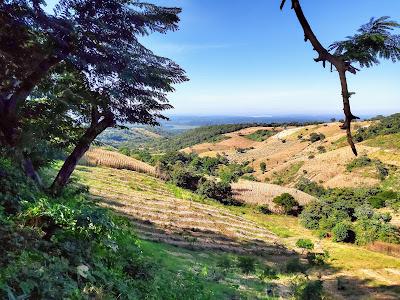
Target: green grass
[[390, 141], [288, 175], [224, 282], [261, 135]]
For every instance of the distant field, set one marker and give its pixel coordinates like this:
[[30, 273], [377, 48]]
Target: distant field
[[263, 193], [101, 157]]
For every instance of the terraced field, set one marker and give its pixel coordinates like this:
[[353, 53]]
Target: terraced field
[[171, 217], [159, 215]]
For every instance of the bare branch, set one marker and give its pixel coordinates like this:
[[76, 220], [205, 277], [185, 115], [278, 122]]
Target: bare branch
[[341, 66]]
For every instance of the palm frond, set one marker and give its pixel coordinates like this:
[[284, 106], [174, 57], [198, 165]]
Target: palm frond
[[372, 42]]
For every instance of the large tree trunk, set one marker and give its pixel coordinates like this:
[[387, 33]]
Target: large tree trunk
[[81, 147]]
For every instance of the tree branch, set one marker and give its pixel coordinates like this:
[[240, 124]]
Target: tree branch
[[340, 65]]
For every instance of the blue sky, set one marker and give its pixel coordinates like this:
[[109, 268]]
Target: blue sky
[[249, 58]]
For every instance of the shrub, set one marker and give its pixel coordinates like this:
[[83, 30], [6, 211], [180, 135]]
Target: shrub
[[383, 172], [305, 244], [247, 264], [267, 272], [318, 259], [342, 232], [184, 178], [308, 290], [225, 262], [359, 162], [315, 137], [287, 203], [310, 187], [263, 167], [321, 149], [216, 190], [377, 201], [264, 209]]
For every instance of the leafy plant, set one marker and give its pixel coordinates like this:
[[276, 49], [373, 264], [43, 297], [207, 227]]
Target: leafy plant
[[287, 203], [306, 244]]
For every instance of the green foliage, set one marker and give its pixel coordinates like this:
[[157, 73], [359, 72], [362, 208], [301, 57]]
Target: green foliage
[[261, 135], [14, 187], [184, 178], [315, 137], [264, 209], [247, 264], [219, 191], [355, 209], [304, 289], [385, 126], [318, 259], [341, 232], [204, 134], [359, 162], [373, 41], [68, 248], [266, 272], [305, 244], [287, 203], [310, 187]]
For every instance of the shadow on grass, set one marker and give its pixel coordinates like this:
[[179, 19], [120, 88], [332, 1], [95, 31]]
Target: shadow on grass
[[355, 288]]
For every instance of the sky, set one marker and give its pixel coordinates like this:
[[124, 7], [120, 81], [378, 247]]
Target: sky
[[248, 58]]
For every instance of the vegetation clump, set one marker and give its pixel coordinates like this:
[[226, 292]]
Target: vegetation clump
[[315, 137], [67, 247], [288, 204], [261, 135], [347, 214]]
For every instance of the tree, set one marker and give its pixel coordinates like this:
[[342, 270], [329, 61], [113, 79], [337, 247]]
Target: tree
[[287, 203], [114, 77], [373, 41]]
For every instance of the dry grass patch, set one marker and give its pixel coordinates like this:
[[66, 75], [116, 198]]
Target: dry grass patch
[[101, 157], [263, 193]]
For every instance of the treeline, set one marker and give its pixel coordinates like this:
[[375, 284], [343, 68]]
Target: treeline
[[207, 176], [208, 134]]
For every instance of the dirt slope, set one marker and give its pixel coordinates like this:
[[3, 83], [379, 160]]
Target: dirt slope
[[289, 155]]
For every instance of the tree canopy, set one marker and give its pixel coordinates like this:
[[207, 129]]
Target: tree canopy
[[83, 60]]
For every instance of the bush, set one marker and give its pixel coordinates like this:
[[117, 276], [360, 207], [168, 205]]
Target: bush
[[305, 244], [359, 162], [308, 290], [342, 232], [216, 190], [267, 272], [247, 264], [321, 149], [318, 259], [310, 187], [184, 178], [315, 137], [263, 167], [264, 209], [287, 203]]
